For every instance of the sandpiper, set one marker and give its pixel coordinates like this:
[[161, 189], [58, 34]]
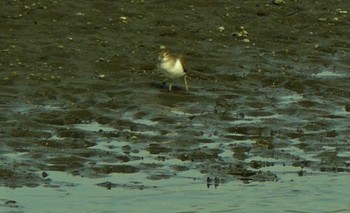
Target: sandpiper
[[172, 66]]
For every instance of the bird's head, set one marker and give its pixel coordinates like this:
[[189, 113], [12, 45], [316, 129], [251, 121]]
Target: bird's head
[[163, 54]]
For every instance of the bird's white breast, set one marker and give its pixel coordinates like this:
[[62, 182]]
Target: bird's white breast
[[172, 70]]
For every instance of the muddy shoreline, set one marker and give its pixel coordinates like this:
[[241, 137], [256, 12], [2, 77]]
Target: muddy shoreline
[[80, 92]]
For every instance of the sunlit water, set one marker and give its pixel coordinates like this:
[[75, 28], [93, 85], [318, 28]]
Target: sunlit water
[[188, 192]]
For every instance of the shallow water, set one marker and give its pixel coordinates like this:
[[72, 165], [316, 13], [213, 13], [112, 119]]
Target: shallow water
[[86, 124], [316, 192]]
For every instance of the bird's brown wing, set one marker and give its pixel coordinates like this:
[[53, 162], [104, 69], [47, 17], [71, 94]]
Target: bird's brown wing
[[183, 63]]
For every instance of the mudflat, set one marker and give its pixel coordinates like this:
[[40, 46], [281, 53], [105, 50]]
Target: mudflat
[[80, 92]]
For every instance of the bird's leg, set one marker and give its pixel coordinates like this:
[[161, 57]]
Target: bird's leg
[[164, 84], [170, 86], [185, 80]]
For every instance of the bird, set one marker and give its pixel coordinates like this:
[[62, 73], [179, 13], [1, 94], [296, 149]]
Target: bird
[[172, 66]]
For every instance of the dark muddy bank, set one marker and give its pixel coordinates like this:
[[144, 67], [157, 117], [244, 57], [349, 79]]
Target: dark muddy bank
[[80, 92]]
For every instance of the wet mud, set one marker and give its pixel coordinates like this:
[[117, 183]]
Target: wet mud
[[80, 92]]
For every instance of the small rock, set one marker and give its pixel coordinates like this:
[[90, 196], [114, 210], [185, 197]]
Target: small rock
[[246, 40], [44, 174], [278, 2], [221, 28], [123, 19], [347, 107], [322, 19]]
